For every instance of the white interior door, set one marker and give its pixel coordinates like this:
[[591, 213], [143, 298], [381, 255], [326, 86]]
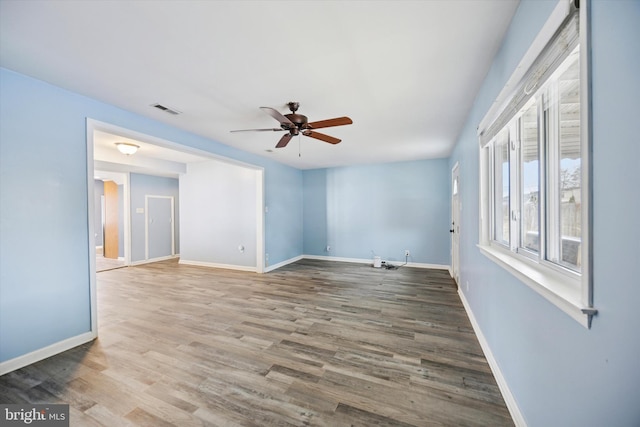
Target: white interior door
[[455, 223], [159, 227]]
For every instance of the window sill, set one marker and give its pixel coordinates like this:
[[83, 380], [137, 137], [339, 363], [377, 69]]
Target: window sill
[[561, 290]]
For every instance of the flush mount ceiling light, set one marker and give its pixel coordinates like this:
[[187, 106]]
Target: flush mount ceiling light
[[127, 148]]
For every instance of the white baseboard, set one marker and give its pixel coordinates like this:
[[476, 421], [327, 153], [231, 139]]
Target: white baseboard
[[370, 261], [282, 264], [298, 258], [239, 267], [508, 397], [45, 352], [218, 265], [339, 259], [149, 261]]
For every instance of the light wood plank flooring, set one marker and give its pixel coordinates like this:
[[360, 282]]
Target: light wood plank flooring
[[104, 264], [314, 343]]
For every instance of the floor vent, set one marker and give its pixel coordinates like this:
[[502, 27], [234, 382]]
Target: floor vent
[[166, 109]]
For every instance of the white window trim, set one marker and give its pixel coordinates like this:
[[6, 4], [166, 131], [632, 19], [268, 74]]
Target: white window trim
[[572, 293], [558, 288]]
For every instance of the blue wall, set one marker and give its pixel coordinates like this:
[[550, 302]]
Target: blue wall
[[43, 162], [283, 228], [43, 216], [560, 373], [382, 209]]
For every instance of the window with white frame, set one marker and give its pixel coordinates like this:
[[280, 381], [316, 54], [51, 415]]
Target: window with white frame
[[534, 170]]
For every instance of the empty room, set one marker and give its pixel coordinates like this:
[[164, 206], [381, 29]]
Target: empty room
[[319, 213]]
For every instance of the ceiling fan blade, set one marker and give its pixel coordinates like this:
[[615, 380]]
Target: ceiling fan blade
[[339, 121], [284, 140], [258, 130], [321, 137], [279, 117]]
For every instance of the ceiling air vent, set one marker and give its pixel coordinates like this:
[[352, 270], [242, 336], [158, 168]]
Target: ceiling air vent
[[166, 109]]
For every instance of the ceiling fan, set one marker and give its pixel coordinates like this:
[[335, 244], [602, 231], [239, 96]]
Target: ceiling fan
[[297, 124]]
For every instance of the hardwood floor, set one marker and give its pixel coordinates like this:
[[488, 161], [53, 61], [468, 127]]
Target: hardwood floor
[[314, 343], [104, 264]]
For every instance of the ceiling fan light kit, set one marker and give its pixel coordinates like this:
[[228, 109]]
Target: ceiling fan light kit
[[296, 124]]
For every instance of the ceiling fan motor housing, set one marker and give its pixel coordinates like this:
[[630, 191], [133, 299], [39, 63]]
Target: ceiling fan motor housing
[[298, 119]]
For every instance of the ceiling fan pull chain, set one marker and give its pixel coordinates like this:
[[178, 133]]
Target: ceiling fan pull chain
[[299, 150]]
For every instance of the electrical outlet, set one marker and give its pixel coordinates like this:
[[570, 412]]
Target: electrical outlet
[[266, 257], [328, 248], [407, 253]]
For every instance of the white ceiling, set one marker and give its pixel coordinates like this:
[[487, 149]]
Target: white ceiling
[[406, 72]]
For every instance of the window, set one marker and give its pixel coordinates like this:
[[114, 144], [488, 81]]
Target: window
[[533, 162], [501, 191], [529, 178]]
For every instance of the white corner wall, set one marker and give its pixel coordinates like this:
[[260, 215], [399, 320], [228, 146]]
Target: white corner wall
[[218, 210]]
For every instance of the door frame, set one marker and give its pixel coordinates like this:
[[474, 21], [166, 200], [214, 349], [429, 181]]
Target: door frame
[[456, 208], [102, 215]]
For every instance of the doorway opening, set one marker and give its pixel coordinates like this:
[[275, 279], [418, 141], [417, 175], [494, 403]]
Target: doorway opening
[[156, 158], [110, 224]]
